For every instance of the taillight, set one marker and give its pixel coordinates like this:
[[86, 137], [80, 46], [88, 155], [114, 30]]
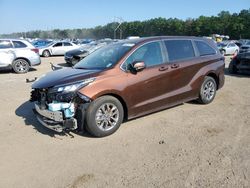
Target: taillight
[[35, 50]]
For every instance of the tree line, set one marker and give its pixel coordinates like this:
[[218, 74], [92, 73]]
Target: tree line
[[236, 25]]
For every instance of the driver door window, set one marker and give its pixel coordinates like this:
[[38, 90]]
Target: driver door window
[[149, 53]]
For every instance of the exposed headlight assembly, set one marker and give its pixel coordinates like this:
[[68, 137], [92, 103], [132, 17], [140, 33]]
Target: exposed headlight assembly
[[72, 87]]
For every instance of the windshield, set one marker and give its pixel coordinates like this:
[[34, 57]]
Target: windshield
[[104, 57], [222, 45]]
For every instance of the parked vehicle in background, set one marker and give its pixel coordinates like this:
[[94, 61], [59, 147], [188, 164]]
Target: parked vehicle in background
[[57, 48], [41, 43], [228, 48], [240, 62], [128, 79], [85, 42], [245, 47], [74, 56], [26, 55]]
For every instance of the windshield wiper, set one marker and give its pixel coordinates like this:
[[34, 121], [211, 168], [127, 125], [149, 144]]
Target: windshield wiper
[[80, 68]]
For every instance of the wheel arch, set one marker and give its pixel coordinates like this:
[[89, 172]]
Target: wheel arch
[[47, 49], [215, 77], [26, 59]]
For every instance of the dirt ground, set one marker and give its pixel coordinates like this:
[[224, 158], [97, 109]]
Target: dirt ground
[[190, 145]]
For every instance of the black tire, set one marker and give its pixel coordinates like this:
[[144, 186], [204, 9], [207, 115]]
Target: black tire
[[207, 90], [223, 52], [46, 53], [20, 66], [232, 68], [96, 114]]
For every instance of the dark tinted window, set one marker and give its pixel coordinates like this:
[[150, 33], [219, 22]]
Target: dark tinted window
[[149, 53], [5, 44], [179, 49], [19, 44], [59, 44], [204, 48], [67, 44]]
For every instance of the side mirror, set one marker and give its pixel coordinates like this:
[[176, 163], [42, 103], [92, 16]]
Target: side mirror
[[138, 66]]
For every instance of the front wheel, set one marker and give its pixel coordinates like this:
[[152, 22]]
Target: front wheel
[[207, 90], [104, 116], [20, 66]]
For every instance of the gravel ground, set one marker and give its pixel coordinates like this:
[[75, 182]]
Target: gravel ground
[[190, 145]]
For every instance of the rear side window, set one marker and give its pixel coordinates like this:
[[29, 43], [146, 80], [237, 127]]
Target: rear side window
[[19, 44], [4, 44], [179, 49], [204, 48], [59, 44], [67, 44]]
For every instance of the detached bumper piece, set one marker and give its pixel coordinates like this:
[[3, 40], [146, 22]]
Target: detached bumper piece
[[54, 120]]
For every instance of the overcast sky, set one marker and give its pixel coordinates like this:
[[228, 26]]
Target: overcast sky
[[26, 15]]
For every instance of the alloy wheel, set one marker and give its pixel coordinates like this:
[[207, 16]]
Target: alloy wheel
[[107, 116], [209, 90]]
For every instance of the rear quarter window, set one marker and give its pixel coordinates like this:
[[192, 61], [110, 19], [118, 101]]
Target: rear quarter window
[[19, 44], [179, 49], [204, 49]]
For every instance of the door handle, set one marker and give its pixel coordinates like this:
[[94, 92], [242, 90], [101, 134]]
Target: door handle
[[163, 68], [174, 66]]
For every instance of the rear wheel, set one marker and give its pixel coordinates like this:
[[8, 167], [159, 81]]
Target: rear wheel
[[20, 66], [207, 90], [104, 116], [46, 53], [223, 52], [74, 61]]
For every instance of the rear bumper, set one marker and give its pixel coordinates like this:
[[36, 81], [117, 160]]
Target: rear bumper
[[35, 60]]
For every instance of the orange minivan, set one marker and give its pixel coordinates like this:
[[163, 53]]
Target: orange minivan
[[128, 79]]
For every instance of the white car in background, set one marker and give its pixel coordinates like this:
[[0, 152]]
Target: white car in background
[[25, 55], [228, 48], [57, 48]]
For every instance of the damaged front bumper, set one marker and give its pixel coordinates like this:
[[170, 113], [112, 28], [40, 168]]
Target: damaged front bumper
[[54, 120]]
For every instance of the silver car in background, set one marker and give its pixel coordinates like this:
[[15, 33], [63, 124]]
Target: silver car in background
[[25, 54], [57, 48], [228, 48]]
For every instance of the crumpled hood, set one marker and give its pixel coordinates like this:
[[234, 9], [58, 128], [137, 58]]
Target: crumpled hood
[[63, 76]]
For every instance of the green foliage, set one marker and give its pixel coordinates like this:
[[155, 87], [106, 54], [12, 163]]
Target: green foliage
[[235, 25]]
